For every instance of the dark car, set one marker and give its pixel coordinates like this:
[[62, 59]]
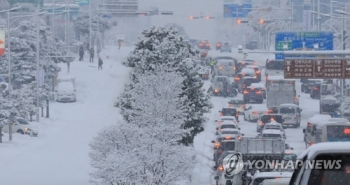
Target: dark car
[[229, 112], [307, 85], [253, 94], [218, 46], [257, 71], [226, 47], [251, 45], [224, 145], [204, 45], [245, 82], [243, 63], [315, 91], [267, 118]]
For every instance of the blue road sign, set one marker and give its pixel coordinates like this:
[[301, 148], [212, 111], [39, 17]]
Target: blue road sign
[[106, 16], [286, 41], [237, 10]]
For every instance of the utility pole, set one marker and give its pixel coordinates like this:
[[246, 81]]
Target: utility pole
[[344, 48], [90, 17], [318, 15], [292, 20], [37, 65]]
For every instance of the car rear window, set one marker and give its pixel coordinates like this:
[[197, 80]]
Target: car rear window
[[229, 111], [268, 118]]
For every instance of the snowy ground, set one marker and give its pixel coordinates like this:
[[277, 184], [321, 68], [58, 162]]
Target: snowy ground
[[204, 148], [59, 155]]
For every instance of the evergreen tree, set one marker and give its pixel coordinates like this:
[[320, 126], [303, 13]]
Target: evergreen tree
[[163, 46]]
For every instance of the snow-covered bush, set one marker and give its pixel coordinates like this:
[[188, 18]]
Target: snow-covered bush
[[145, 150], [164, 47]]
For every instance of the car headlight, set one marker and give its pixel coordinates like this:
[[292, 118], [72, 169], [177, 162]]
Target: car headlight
[[27, 129]]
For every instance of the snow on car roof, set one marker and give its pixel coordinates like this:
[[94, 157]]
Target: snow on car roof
[[273, 123], [319, 117], [271, 131], [261, 107], [63, 86], [329, 97], [327, 147], [247, 70], [224, 61], [257, 85], [289, 105], [272, 174], [275, 78]]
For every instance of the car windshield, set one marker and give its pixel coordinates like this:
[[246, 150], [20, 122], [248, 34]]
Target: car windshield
[[228, 145], [229, 132], [273, 127], [228, 119], [236, 102], [229, 112], [271, 135], [228, 126], [22, 122], [290, 157], [287, 110]]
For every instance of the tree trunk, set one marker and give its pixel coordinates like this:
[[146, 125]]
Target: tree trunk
[[10, 131], [53, 83], [42, 111], [47, 109], [0, 134]]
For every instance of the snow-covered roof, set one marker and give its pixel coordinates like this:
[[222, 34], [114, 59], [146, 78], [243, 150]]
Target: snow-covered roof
[[271, 131], [327, 147], [289, 105], [248, 70], [272, 174], [257, 85], [318, 118], [329, 97]]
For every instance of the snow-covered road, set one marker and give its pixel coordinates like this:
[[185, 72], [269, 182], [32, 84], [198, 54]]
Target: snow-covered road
[[59, 155], [203, 173]]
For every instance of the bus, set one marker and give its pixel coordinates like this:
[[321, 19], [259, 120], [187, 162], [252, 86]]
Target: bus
[[327, 130], [274, 68]]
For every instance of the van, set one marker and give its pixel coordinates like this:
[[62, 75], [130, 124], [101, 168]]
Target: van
[[225, 67], [65, 90], [291, 114]]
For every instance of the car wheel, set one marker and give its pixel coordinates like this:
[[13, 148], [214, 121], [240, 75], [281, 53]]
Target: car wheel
[[249, 118], [245, 119], [20, 132]]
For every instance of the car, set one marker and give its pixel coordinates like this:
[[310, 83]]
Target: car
[[225, 67], [273, 125], [204, 44], [222, 119], [226, 46], [291, 114], [257, 71], [307, 86], [218, 45], [224, 145], [278, 134], [315, 91], [229, 112], [260, 86], [267, 118], [229, 134], [238, 104], [253, 113], [258, 178], [253, 94], [22, 126], [226, 125], [245, 62], [252, 45], [245, 82], [248, 72]]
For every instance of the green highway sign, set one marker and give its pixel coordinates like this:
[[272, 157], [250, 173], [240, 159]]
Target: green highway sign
[[279, 46]]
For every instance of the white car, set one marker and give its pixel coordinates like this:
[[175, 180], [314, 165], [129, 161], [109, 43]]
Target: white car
[[253, 113], [226, 125], [258, 178], [238, 104], [227, 119], [22, 126], [273, 125], [278, 134], [229, 134]]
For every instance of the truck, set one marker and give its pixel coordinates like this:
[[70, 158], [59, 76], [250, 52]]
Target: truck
[[330, 151], [280, 91], [252, 149]]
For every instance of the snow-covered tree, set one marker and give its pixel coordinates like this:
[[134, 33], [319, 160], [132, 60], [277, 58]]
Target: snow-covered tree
[[163, 46], [146, 151], [180, 29]]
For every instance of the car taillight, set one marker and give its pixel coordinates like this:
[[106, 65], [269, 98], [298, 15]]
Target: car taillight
[[312, 143], [234, 68], [237, 79], [255, 112], [243, 74], [216, 90], [260, 122], [208, 44], [220, 67], [315, 88], [245, 92], [217, 144], [258, 72], [236, 114], [243, 86], [254, 63], [255, 77], [217, 44], [295, 99], [229, 105], [221, 168], [258, 92]]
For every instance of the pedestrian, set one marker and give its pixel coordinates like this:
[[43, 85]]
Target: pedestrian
[[81, 53], [92, 53], [212, 64], [100, 62]]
